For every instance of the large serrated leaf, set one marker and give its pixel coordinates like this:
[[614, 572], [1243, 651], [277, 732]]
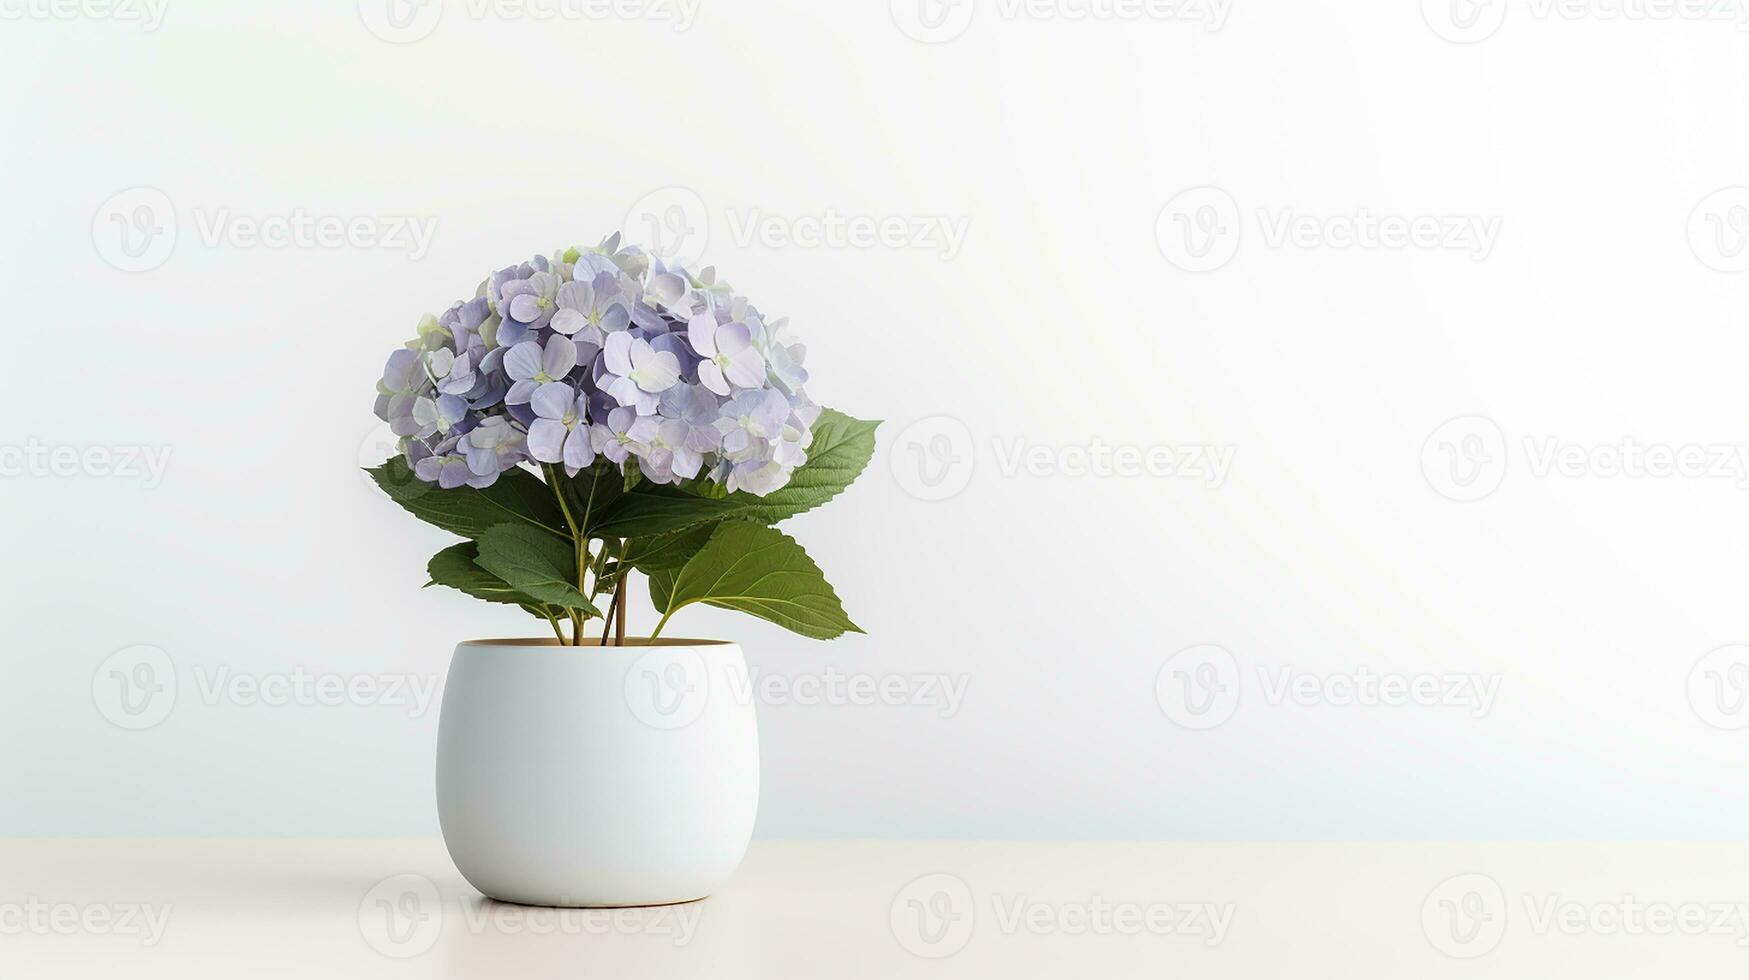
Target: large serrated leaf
[[455, 568], [519, 497], [760, 571], [535, 564]]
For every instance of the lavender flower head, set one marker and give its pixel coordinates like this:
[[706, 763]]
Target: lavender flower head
[[601, 353]]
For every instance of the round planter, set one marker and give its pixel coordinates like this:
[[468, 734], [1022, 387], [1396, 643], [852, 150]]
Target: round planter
[[597, 776]]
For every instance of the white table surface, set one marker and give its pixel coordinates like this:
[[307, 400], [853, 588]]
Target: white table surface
[[336, 909]]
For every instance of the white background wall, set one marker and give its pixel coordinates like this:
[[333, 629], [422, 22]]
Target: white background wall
[[1608, 311]]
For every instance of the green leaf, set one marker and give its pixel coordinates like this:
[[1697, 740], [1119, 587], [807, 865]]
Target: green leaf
[[652, 509], [760, 571], [519, 497], [535, 564], [455, 567], [591, 492], [840, 452], [664, 551]]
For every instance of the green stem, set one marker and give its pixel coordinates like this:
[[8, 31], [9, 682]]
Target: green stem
[[658, 630], [578, 541]]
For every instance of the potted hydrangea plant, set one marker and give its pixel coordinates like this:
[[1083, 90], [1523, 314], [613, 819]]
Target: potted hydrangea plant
[[583, 417]]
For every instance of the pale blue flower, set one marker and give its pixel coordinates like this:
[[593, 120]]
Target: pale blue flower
[[438, 416], [697, 409], [626, 433], [561, 432], [601, 352], [751, 421], [593, 309], [637, 372], [529, 365], [493, 447], [728, 356]]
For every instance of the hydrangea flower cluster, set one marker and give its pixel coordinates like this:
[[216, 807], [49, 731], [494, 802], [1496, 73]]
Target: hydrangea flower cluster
[[601, 353]]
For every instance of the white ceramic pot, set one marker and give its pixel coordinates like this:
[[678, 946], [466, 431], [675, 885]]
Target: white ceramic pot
[[597, 776]]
